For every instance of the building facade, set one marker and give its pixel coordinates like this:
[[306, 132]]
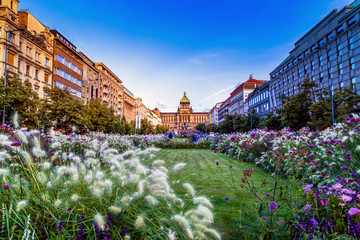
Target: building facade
[[129, 106], [259, 100], [90, 80], [238, 97], [224, 110], [111, 91], [184, 120], [329, 55], [68, 66], [213, 116], [36, 53]]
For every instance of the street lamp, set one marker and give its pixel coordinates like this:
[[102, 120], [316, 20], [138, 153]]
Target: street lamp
[[5, 72]]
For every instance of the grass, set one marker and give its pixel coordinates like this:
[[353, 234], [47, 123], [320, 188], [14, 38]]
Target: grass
[[235, 218]]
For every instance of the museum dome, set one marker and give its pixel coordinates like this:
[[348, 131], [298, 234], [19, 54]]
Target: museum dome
[[184, 99]]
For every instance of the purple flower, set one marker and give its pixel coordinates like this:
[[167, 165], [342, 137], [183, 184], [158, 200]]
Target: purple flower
[[346, 198], [353, 211], [330, 152], [226, 148], [273, 206], [267, 194], [264, 218], [344, 167], [314, 222], [354, 175], [326, 165], [311, 145], [217, 163], [50, 153], [342, 146], [307, 207], [16, 144], [348, 155], [311, 155], [226, 198], [5, 186], [216, 150], [231, 166]]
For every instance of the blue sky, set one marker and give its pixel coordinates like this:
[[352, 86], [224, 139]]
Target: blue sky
[[161, 48]]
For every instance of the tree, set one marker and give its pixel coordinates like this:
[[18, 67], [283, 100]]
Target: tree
[[201, 127], [227, 126], [21, 98], [296, 109], [272, 121], [212, 128], [161, 129], [146, 127], [101, 118]]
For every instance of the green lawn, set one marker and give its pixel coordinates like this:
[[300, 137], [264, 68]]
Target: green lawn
[[215, 182]]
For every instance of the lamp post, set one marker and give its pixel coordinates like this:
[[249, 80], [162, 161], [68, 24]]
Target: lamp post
[[5, 72]]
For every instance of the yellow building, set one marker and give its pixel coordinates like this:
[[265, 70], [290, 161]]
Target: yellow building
[[184, 120]]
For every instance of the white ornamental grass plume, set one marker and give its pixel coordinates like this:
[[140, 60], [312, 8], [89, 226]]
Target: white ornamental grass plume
[[115, 209], [152, 149], [99, 175], [158, 162], [151, 200], [171, 235], [74, 197], [189, 188], [4, 140], [27, 157], [110, 151], [97, 192], [189, 233], [116, 163], [214, 233], [95, 144], [140, 222], [163, 169], [38, 152], [204, 201], [141, 186], [125, 200], [140, 169], [134, 178], [89, 178], [4, 172], [205, 212], [15, 120], [163, 182], [57, 203], [55, 145], [21, 205], [104, 146], [100, 221], [179, 166], [21, 136], [90, 153], [82, 169], [41, 177], [200, 227], [4, 155], [108, 184], [182, 221]]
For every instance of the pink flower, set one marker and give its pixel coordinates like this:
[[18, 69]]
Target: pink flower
[[346, 198], [342, 205], [337, 187], [353, 211], [307, 207]]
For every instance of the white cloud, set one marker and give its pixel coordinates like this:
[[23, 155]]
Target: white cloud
[[161, 105], [201, 58], [218, 92]]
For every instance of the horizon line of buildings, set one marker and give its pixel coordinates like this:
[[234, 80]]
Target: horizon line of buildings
[[328, 54], [46, 58]]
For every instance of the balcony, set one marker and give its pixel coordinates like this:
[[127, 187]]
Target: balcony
[[106, 83], [105, 92]]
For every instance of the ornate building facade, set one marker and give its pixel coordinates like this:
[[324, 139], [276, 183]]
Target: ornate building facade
[[184, 120]]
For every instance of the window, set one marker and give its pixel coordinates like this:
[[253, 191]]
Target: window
[[341, 85], [321, 60], [59, 85], [73, 79], [313, 48], [73, 67], [46, 62], [340, 29], [11, 5], [313, 78], [60, 72], [341, 70], [46, 79], [36, 74], [27, 71], [300, 57], [352, 63], [321, 76], [351, 43], [294, 61], [67, 63], [79, 82], [353, 80], [306, 53], [321, 42], [67, 76], [59, 58], [313, 65], [339, 50], [78, 94], [11, 37], [351, 21], [11, 59], [330, 37], [329, 54], [289, 64]]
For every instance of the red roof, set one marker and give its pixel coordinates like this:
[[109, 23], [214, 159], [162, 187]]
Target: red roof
[[241, 87]]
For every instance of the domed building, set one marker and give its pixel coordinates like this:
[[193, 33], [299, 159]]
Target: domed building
[[184, 120]]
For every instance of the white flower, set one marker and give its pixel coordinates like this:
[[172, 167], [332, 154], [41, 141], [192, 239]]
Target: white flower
[[99, 219], [189, 233], [151, 200], [214, 233], [21, 205], [46, 165], [159, 162], [97, 192], [41, 177], [179, 166], [139, 223], [55, 145], [181, 221]]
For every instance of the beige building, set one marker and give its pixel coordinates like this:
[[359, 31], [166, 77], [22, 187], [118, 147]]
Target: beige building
[[90, 80], [29, 46], [36, 53], [129, 105], [111, 91]]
